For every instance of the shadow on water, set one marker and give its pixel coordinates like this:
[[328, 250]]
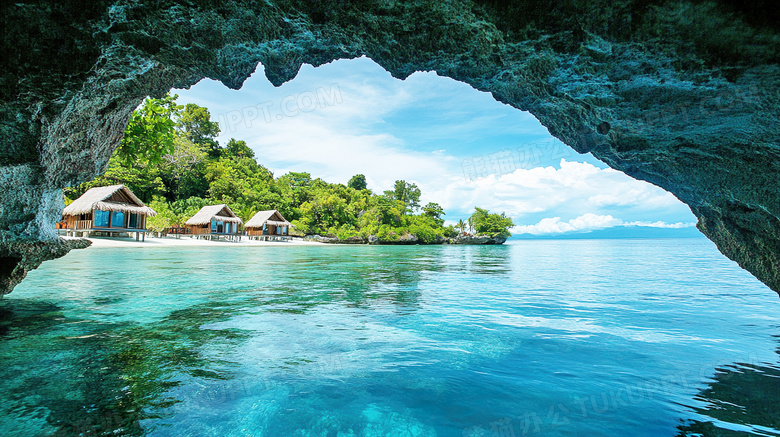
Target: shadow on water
[[741, 401], [67, 377], [67, 389], [32, 316]]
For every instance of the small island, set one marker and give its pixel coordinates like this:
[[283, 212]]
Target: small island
[[170, 159]]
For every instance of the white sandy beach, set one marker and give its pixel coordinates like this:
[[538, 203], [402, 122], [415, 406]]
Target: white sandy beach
[[102, 242]]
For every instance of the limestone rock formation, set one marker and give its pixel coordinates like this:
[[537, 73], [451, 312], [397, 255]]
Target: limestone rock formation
[[17, 257], [473, 239], [320, 239], [683, 94], [353, 240], [405, 239]]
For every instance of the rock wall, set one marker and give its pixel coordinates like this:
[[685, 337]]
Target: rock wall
[[682, 94]]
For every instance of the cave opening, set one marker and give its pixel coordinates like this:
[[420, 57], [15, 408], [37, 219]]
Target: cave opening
[[679, 94], [459, 145]]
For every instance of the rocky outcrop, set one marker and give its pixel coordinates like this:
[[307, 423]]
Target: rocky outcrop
[[353, 240], [476, 239], [683, 94], [372, 239], [17, 257], [321, 239], [408, 239], [404, 239]]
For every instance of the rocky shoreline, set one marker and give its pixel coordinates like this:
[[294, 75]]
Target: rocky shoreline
[[408, 239]]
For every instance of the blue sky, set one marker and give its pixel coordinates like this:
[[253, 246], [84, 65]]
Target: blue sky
[[461, 147]]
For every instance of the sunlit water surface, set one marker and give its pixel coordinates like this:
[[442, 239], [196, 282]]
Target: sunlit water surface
[[553, 338]]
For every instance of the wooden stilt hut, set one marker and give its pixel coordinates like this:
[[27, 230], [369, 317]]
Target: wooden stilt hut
[[110, 210], [268, 225], [215, 221]]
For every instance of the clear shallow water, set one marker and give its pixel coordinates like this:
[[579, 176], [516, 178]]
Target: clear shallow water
[[553, 338]]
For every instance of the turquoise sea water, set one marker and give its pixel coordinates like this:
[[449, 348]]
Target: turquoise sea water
[[548, 338]]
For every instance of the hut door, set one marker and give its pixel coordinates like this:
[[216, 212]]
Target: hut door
[[220, 228]]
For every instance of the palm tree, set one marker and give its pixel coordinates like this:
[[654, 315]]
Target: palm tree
[[246, 213], [461, 225], [471, 224]]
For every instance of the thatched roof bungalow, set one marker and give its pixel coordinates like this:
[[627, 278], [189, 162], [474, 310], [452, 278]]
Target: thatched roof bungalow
[[269, 222], [107, 209], [214, 220]]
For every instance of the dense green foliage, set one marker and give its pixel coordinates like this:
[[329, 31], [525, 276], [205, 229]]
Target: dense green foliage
[[171, 160], [358, 182], [407, 193], [493, 225], [150, 133]]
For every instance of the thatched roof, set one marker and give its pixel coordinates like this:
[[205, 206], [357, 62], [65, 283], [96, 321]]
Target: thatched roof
[[110, 198], [271, 216], [220, 212]]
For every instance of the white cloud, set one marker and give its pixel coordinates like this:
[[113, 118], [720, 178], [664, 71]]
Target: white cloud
[[588, 222], [554, 225], [328, 148], [573, 190]]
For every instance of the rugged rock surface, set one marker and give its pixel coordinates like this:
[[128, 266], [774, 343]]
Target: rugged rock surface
[[404, 239], [353, 240], [321, 239], [473, 239], [683, 94], [17, 257]]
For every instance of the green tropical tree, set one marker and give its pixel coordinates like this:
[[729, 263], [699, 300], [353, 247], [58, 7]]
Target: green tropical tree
[[239, 149], [184, 156], [357, 182], [461, 226], [434, 211], [150, 133], [407, 193], [494, 225], [195, 124]]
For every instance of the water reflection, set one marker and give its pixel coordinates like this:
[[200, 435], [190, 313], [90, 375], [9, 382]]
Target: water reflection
[[359, 277], [481, 260], [742, 400], [491, 260]]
